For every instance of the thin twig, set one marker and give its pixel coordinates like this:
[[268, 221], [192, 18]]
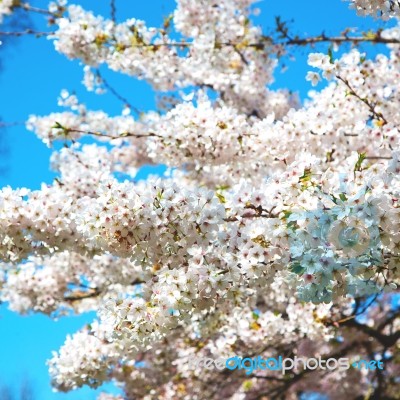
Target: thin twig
[[80, 295], [371, 107], [122, 136], [26, 32], [113, 10], [116, 94], [28, 7], [265, 41], [377, 158]]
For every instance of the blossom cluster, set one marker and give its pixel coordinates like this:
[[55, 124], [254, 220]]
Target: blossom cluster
[[384, 9], [214, 55], [63, 282], [72, 368], [212, 140], [274, 221]]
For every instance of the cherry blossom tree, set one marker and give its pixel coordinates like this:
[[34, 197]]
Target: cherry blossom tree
[[274, 232]]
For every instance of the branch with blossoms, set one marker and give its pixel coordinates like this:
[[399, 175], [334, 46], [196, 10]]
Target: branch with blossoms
[[372, 107], [274, 231], [264, 44], [66, 132]]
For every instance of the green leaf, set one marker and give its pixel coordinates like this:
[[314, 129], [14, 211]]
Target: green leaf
[[292, 225], [371, 35], [306, 175], [330, 54], [57, 125], [221, 198], [329, 155], [361, 158], [167, 21], [223, 187], [296, 268], [286, 214]]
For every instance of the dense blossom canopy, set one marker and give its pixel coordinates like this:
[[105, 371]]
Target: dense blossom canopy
[[274, 228]]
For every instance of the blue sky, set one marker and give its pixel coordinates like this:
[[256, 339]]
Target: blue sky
[[31, 80]]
